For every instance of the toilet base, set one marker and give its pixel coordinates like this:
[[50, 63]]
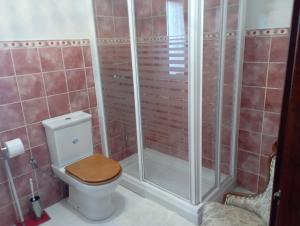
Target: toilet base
[[97, 206]]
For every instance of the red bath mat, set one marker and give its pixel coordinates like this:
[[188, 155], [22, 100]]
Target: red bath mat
[[32, 221]]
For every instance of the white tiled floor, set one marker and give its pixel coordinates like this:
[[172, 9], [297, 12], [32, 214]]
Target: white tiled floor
[[132, 210]]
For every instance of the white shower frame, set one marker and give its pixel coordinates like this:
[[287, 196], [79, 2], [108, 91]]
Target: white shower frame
[[190, 209]]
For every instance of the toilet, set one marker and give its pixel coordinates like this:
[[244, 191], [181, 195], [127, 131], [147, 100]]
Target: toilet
[[92, 178]]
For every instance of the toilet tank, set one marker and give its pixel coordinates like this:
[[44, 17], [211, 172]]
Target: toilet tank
[[69, 137]]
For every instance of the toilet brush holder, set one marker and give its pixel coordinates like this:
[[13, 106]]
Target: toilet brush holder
[[36, 207]]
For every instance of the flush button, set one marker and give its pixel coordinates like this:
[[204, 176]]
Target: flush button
[[68, 118], [75, 141]]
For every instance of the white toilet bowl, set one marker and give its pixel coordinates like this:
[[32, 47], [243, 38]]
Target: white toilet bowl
[[92, 178], [92, 201]]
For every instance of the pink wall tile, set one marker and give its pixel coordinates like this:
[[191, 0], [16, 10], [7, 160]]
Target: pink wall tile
[[262, 184], [95, 118], [248, 162], [59, 104], [72, 57], [143, 8], [144, 27], [253, 98], [105, 27], [120, 8], [232, 17], [76, 79], [276, 75], [160, 25], [159, 7], [103, 7], [96, 135], [279, 49], [92, 97], [249, 141], [22, 185], [211, 22], [26, 61], [7, 215], [79, 100], [89, 77], [41, 154], [31, 86], [87, 54], [55, 82], [274, 100], [271, 124], [51, 59], [247, 180], [264, 166], [257, 49], [11, 116], [6, 65], [35, 110], [251, 120], [36, 134], [21, 164], [4, 197], [211, 3], [8, 90], [255, 74], [267, 143], [121, 27]]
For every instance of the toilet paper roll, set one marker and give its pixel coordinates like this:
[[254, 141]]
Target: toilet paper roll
[[14, 148]]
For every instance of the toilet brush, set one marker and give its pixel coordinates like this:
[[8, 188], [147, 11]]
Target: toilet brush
[[31, 188], [35, 202]]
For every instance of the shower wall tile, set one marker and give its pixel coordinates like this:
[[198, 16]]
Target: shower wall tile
[[39, 80], [159, 7], [104, 7], [119, 8], [262, 89]]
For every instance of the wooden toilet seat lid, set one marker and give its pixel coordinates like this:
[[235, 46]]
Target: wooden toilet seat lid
[[95, 169]]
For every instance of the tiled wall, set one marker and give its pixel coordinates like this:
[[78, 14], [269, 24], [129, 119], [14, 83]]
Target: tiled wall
[[39, 80], [262, 88]]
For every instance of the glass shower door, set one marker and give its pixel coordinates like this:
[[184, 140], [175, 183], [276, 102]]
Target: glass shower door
[[162, 49], [112, 26]]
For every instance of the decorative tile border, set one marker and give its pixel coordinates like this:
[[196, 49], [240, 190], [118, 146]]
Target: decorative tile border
[[268, 32], [44, 43], [175, 39]]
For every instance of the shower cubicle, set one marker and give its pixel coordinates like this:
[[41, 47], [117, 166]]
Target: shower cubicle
[[169, 91]]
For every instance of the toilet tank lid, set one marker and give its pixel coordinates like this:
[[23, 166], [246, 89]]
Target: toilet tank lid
[[66, 120]]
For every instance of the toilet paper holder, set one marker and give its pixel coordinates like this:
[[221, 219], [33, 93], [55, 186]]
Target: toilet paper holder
[[5, 156]]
